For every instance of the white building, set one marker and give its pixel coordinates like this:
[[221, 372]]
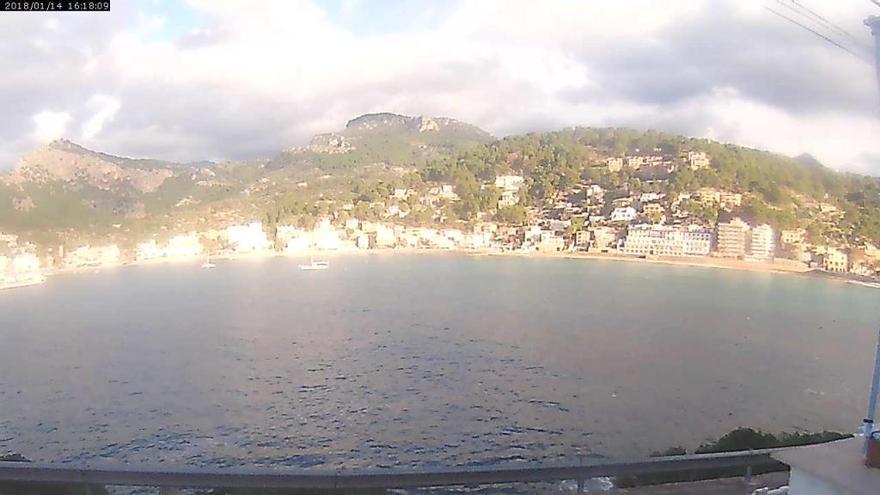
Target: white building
[[732, 238], [594, 191], [550, 242], [834, 260], [532, 233], [603, 238], [614, 164], [698, 160], [148, 251], [247, 238], [662, 240], [385, 236], [401, 193], [726, 199], [184, 246], [476, 240], [508, 198], [23, 268], [326, 240], [793, 236], [763, 243], [650, 197], [623, 214], [297, 244], [352, 224], [362, 241], [93, 256], [510, 182]]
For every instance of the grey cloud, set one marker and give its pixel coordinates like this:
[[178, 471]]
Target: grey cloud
[[766, 60]]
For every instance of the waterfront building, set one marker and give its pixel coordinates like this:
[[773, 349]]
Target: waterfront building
[[362, 241], [148, 250], [834, 260], [184, 246], [532, 233], [247, 238], [453, 235], [352, 224], [476, 240], [285, 232], [763, 243], [297, 244], [385, 236], [93, 256], [582, 238], [326, 239], [793, 236], [22, 269], [603, 238], [550, 242], [663, 240], [732, 238]]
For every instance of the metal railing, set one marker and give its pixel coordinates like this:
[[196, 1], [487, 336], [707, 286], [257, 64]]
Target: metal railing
[[172, 479]]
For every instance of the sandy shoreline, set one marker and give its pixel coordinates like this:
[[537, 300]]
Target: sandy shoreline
[[781, 267]]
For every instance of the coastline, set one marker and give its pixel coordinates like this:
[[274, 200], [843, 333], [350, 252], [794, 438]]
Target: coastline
[[787, 267]]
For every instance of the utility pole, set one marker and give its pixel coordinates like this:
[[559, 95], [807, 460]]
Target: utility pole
[[873, 22]]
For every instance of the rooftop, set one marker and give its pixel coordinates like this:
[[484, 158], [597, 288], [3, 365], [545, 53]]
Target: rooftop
[[839, 464]]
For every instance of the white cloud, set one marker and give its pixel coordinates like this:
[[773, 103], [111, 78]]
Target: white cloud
[[105, 110], [50, 125], [252, 78]]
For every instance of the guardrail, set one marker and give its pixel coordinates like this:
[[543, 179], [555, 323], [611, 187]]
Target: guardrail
[[172, 479]]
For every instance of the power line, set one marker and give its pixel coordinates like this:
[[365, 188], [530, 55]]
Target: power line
[[808, 12], [817, 33]]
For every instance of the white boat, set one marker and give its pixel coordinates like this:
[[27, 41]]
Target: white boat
[[208, 264], [315, 265]]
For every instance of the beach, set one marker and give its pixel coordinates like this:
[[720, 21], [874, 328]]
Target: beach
[[779, 266]]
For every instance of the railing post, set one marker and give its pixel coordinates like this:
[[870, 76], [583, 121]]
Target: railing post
[[748, 476], [580, 486]]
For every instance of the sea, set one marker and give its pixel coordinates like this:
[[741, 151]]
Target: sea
[[422, 361]]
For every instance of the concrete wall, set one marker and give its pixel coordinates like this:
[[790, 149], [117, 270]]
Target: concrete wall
[[802, 483]]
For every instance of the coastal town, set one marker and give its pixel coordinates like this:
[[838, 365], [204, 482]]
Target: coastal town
[[584, 220]]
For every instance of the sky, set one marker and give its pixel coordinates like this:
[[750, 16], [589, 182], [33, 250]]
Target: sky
[[189, 80]]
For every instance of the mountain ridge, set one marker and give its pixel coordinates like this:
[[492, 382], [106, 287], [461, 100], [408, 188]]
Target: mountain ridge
[[63, 185]]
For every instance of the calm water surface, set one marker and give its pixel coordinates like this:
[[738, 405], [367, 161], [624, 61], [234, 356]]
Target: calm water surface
[[421, 361]]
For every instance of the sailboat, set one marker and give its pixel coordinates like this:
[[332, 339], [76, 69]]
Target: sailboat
[[208, 264], [315, 265]]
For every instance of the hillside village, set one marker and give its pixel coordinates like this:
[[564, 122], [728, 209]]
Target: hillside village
[[586, 218], [446, 186]]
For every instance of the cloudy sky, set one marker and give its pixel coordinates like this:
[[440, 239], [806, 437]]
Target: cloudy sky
[[228, 79]]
